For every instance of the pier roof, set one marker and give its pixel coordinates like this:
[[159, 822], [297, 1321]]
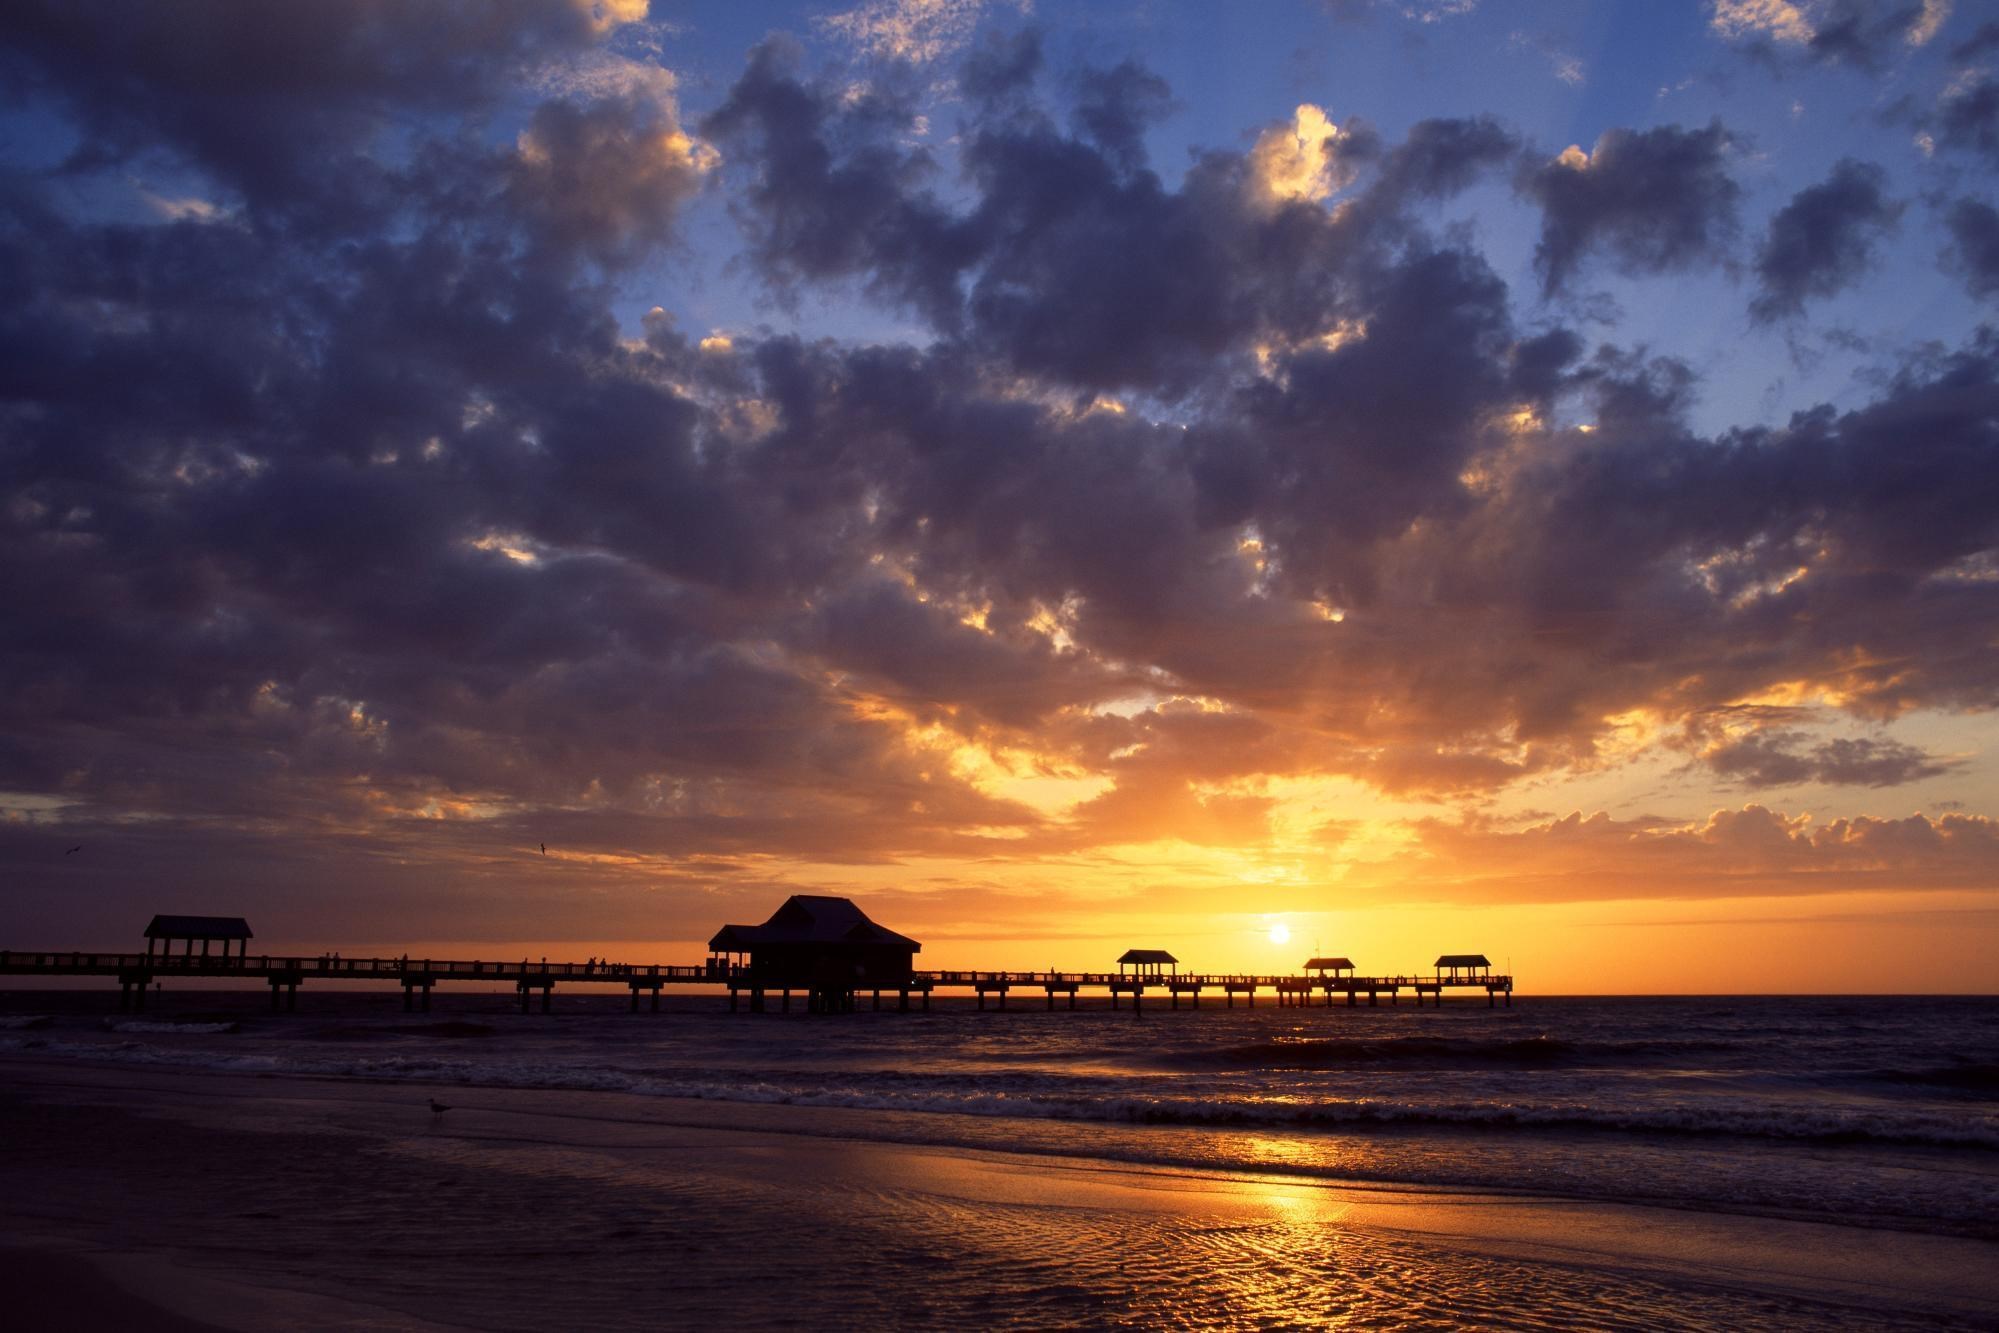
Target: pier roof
[[198, 928], [1325, 964], [1464, 960], [809, 918], [1148, 956]]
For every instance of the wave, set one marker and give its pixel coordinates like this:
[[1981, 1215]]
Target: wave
[[1969, 1078], [1438, 1053], [146, 1025], [1815, 1123], [21, 1022]]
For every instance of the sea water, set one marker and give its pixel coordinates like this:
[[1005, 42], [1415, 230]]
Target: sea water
[[1881, 1112]]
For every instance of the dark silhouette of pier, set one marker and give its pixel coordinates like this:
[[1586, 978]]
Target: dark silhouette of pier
[[825, 950], [136, 972]]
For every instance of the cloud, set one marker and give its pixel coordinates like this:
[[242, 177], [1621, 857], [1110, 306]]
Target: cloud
[[1567, 67], [918, 31], [283, 105], [1966, 116], [1114, 108], [816, 212], [1753, 851], [1780, 20], [1974, 248], [1860, 33], [607, 179], [1823, 240], [1772, 760], [1296, 161], [1654, 201]]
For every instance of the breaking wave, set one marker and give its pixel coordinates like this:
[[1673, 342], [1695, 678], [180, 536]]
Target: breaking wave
[[1038, 1099]]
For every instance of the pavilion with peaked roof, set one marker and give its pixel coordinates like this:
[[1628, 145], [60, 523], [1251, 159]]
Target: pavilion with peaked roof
[[1332, 965], [166, 929], [818, 944], [1463, 965], [1148, 962]]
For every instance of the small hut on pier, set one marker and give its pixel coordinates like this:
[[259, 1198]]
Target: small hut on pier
[[817, 943], [1332, 965], [1148, 964], [164, 930], [1464, 966]]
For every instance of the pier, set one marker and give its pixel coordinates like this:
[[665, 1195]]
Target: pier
[[824, 949], [537, 980]]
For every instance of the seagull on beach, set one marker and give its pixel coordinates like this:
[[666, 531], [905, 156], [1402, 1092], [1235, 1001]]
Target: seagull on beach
[[544, 849], [437, 1108]]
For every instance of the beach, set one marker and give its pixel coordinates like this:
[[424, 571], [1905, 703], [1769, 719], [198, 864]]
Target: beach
[[228, 1190]]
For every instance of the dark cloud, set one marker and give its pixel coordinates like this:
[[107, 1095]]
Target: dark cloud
[[280, 104], [1776, 760], [1974, 249], [1983, 42], [606, 180], [1967, 117], [1865, 34], [1823, 240], [1072, 259], [1115, 107], [834, 190], [1654, 201]]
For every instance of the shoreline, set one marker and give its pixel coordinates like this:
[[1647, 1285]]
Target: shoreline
[[793, 1169]]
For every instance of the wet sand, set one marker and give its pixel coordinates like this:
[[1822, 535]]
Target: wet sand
[[233, 1201]]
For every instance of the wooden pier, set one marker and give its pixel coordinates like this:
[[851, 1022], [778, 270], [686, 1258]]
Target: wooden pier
[[535, 979]]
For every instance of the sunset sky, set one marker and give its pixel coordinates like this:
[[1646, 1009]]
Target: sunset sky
[[1415, 476]]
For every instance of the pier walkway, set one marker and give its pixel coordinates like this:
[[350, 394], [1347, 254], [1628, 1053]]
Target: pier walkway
[[135, 972]]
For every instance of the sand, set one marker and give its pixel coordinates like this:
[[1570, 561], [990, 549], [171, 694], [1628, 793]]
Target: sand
[[177, 1200]]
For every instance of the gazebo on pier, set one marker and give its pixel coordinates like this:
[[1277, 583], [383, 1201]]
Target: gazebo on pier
[[1332, 965], [165, 930], [825, 946], [1148, 964], [1464, 966]]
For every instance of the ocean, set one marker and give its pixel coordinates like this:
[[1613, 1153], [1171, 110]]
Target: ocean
[[1880, 1114]]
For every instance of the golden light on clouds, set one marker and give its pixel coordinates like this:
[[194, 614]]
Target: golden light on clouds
[[1296, 161]]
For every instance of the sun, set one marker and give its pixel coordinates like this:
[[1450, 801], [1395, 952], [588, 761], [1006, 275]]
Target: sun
[[1280, 933]]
